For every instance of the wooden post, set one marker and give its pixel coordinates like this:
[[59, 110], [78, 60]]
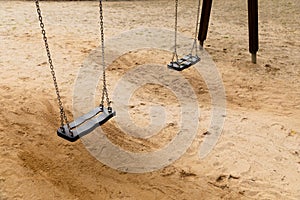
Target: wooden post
[[253, 28], [205, 14]]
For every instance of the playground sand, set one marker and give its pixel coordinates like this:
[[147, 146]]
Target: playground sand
[[256, 157]]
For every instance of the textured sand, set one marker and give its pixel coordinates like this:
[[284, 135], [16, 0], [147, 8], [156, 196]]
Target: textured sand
[[257, 156]]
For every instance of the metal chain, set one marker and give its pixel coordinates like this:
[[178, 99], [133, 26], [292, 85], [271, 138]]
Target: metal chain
[[104, 89], [175, 39], [63, 117], [196, 29]]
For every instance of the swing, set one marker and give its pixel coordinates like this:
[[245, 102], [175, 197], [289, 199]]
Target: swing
[[83, 125], [189, 59]]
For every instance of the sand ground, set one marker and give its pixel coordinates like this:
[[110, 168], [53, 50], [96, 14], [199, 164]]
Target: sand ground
[[257, 157]]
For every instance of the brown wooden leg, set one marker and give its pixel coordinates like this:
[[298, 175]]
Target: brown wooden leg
[[253, 28], [205, 14]]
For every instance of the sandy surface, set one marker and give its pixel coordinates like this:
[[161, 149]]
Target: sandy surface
[[257, 157]]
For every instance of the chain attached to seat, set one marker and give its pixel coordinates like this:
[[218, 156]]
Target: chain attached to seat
[[63, 116], [175, 55], [190, 59], [195, 46], [99, 115], [104, 88]]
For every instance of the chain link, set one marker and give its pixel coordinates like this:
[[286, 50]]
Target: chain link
[[104, 89], [63, 117]]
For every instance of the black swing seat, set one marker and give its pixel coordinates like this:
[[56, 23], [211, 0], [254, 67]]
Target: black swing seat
[[86, 123], [184, 62]]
